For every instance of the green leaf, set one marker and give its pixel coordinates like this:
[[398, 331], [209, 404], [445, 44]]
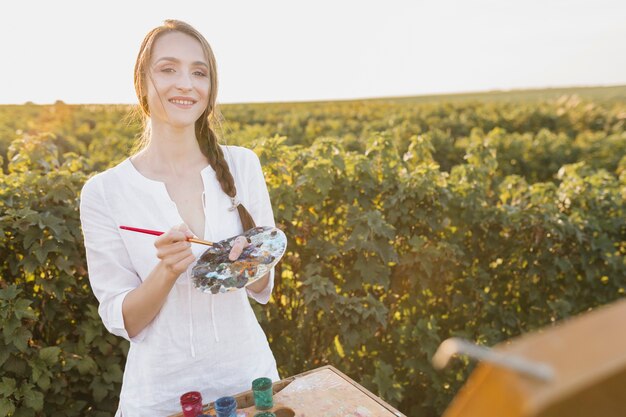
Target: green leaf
[[384, 379], [9, 292], [22, 310], [44, 382], [30, 237], [99, 389], [21, 338], [4, 355], [6, 407], [86, 365], [9, 327], [50, 354], [7, 386], [33, 398]]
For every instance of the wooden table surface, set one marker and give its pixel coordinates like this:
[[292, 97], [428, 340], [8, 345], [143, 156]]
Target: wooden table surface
[[323, 392]]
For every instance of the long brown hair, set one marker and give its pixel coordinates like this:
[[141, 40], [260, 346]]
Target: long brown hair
[[205, 132]]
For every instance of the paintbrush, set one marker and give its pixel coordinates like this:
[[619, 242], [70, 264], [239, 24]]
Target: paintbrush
[[159, 233]]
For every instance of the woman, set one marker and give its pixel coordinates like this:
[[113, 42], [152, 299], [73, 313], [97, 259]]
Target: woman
[[180, 338]]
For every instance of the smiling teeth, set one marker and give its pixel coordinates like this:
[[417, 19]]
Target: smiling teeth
[[184, 102]]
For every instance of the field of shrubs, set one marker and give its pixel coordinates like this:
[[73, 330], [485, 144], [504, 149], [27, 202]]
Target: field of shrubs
[[409, 221]]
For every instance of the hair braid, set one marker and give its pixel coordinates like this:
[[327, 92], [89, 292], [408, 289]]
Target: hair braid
[[207, 139]]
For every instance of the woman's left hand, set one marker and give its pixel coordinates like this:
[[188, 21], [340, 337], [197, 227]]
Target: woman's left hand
[[239, 244]]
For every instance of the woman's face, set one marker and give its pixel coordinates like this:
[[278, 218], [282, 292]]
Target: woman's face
[[178, 82]]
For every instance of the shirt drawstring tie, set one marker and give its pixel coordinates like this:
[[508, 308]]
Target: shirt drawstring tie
[[190, 309], [213, 318], [193, 350]]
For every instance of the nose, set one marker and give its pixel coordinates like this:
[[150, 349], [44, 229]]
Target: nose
[[183, 82]]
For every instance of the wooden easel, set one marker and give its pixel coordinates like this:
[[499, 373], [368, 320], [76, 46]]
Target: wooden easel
[[588, 356]]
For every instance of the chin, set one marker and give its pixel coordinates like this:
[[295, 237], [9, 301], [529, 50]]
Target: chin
[[181, 122]]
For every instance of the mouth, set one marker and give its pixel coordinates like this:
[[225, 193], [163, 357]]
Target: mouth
[[185, 103]]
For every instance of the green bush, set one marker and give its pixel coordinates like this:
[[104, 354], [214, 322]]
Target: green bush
[[389, 256], [56, 358], [408, 223]]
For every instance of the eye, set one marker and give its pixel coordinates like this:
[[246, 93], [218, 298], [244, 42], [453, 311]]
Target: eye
[[167, 70], [200, 73]]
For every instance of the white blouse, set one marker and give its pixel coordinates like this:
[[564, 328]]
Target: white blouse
[[197, 341]]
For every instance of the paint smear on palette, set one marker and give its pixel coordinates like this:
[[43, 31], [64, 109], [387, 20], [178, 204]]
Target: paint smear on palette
[[215, 273]]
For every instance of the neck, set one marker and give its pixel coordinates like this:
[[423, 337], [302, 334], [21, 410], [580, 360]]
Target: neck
[[172, 149]]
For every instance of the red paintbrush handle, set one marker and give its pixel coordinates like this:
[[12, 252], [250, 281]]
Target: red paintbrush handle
[[157, 233], [146, 231]]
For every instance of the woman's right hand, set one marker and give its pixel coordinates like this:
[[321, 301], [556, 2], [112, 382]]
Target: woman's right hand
[[174, 250]]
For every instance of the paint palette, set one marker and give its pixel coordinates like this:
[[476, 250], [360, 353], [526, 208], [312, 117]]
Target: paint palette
[[215, 273]]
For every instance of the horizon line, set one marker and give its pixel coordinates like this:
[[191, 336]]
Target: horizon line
[[370, 98]]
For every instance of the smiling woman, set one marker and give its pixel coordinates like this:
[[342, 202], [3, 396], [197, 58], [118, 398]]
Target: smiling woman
[[180, 179], [178, 82]]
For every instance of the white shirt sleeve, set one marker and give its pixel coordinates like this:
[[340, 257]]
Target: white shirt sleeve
[[111, 273], [260, 208]]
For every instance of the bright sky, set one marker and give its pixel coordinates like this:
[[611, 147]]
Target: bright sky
[[286, 50]]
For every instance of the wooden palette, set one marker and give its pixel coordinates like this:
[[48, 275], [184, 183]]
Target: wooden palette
[[215, 273]]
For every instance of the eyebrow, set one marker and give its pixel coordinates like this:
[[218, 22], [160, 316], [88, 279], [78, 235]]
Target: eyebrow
[[176, 60]]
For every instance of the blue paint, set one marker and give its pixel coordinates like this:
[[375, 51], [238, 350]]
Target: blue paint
[[226, 407]]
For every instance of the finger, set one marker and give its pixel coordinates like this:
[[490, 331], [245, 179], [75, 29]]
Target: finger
[[237, 248], [171, 236], [169, 245], [174, 262], [173, 248], [179, 257], [235, 252], [185, 262]]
